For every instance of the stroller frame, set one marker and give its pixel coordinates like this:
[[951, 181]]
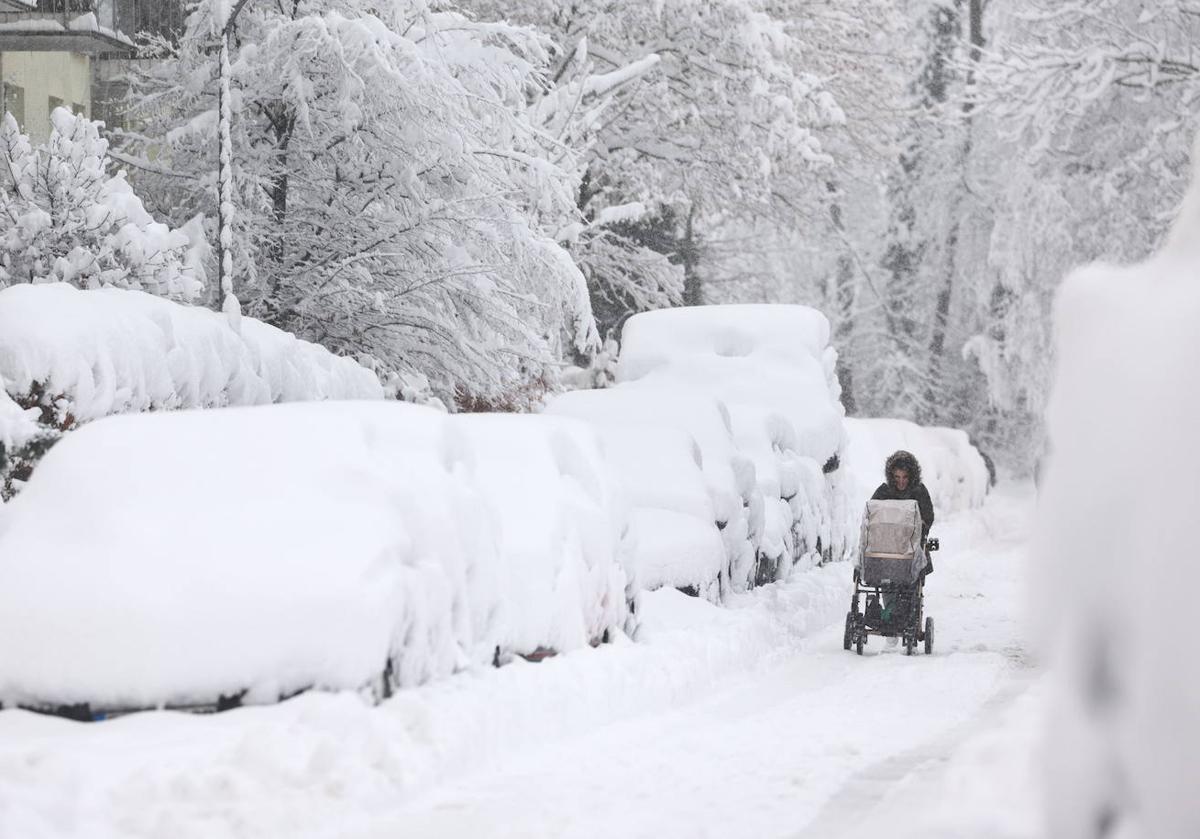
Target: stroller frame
[[912, 628]]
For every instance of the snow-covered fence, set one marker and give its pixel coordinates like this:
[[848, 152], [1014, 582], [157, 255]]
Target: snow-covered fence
[[1115, 547], [72, 356], [952, 469], [177, 558], [773, 370]]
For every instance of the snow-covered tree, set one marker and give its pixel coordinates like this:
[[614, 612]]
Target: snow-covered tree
[[1089, 110], [70, 216], [723, 130], [395, 199]]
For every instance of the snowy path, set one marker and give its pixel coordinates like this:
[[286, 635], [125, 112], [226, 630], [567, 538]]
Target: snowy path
[[749, 721], [809, 747]]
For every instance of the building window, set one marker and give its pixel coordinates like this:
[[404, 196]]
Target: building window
[[78, 110], [55, 102], [14, 102]]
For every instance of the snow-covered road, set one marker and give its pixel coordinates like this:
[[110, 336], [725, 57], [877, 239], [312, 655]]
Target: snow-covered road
[[749, 721], [808, 746]]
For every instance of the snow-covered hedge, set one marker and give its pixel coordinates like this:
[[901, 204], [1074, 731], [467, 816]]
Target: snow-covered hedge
[[1116, 547], [183, 556], [72, 356], [774, 370], [952, 469], [112, 351], [674, 455]]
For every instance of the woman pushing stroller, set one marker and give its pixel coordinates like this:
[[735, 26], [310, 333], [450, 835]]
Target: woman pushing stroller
[[894, 561], [903, 474]]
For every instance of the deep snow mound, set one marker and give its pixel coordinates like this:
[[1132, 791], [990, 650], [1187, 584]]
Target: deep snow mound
[[1117, 529], [174, 558]]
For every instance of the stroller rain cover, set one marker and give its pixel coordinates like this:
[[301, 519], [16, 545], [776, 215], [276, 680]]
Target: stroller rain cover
[[891, 551]]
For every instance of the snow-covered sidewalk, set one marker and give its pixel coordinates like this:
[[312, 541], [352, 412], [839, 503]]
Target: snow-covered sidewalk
[[741, 721]]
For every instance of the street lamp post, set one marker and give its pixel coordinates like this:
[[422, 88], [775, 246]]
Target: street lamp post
[[228, 301]]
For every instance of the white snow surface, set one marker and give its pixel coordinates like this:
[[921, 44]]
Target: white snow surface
[[1118, 529], [108, 351], [307, 545], [951, 468], [774, 370], [741, 721]]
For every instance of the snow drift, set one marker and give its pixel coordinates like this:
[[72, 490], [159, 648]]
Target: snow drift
[[1117, 525], [774, 370], [174, 558]]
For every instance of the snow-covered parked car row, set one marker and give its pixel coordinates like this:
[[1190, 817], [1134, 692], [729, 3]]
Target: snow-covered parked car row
[[214, 557], [753, 390], [210, 558]]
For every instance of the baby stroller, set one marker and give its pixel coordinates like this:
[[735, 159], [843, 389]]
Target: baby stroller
[[891, 572]]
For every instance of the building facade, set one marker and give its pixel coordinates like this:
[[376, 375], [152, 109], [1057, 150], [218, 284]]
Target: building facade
[[51, 53]]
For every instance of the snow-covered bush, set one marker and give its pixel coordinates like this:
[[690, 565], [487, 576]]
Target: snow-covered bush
[[76, 356], [667, 447], [1116, 546], [952, 469], [342, 545], [773, 368], [71, 218]]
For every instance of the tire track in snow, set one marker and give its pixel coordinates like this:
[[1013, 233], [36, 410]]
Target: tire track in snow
[[870, 795]]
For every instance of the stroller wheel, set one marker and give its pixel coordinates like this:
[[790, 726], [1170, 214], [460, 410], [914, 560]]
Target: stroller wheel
[[858, 643], [928, 636], [848, 635]]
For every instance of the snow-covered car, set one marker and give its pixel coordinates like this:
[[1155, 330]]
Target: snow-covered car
[[219, 557], [669, 447], [773, 368], [687, 518]]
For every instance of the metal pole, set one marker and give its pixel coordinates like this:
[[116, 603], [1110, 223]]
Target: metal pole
[[225, 169], [224, 179]]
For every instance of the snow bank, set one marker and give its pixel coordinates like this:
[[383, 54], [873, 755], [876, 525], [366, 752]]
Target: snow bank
[[773, 368], [952, 469], [109, 351], [341, 545], [1117, 539], [674, 486], [328, 765]]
